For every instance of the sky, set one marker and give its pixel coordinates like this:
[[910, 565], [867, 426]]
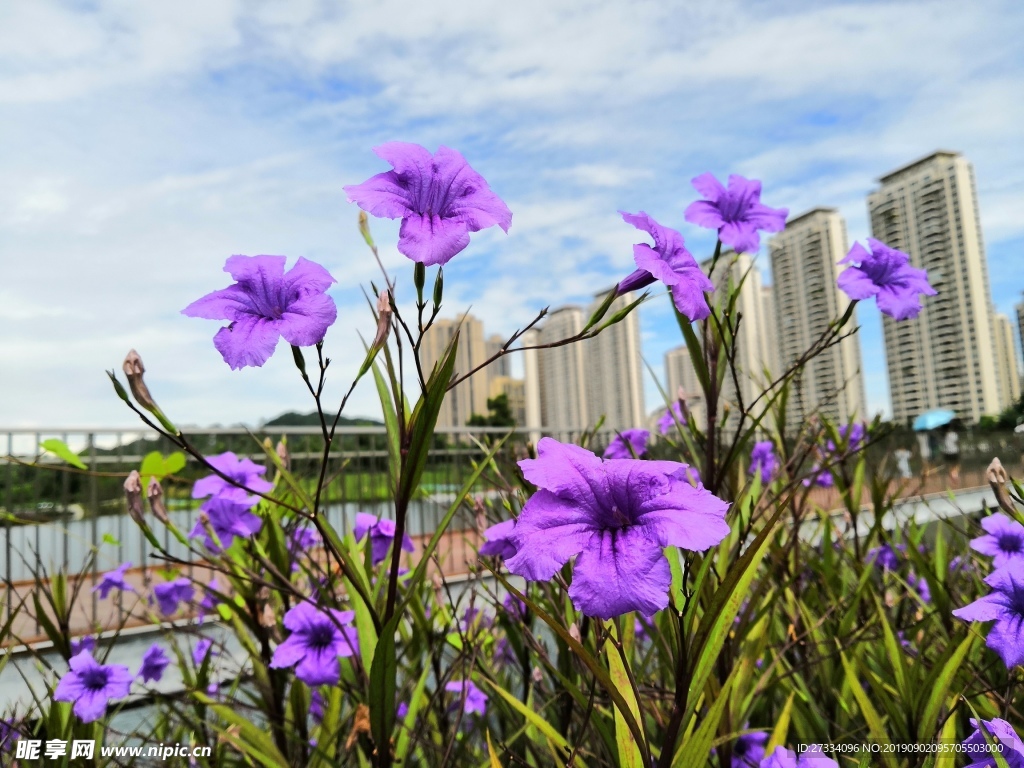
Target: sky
[[141, 144]]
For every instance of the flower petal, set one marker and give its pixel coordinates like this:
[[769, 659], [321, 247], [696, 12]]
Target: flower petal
[[432, 240], [686, 517], [467, 194], [307, 319], [856, 284], [707, 185], [267, 270], [566, 470], [704, 213], [549, 531], [307, 276], [983, 609], [231, 303], [247, 342], [619, 571]]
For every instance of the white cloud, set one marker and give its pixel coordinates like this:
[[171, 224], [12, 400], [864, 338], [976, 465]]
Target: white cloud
[[143, 143]]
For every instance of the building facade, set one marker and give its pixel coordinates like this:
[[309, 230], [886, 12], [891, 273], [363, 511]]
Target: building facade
[[613, 364], [804, 271], [1006, 352], [471, 395], [562, 373], [946, 357]]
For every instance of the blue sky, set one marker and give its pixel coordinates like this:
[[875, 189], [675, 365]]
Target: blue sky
[[143, 143]]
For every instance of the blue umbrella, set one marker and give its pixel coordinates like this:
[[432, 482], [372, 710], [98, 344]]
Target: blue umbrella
[[933, 420]]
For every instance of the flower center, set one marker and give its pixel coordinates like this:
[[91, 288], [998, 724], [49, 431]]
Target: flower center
[[95, 679], [619, 518], [321, 636], [1009, 542]]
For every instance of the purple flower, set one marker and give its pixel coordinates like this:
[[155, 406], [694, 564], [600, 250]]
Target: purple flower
[[631, 443], [920, 585], [820, 477], [303, 539], [498, 543], [762, 459], [641, 629], [785, 758], [1003, 540], [9, 733], [265, 304], [202, 649], [671, 417], [886, 557], [1005, 604], [316, 706], [382, 533], [114, 580], [669, 262], [886, 274], [737, 212], [472, 699], [852, 435], [210, 599], [1001, 733], [86, 643], [515, 607], [748, 750], [229, 518], [616, 516], [154, 662], [170, 593], [402, 711], [243, 471], [439, 199], [317, 640], [91, 685]]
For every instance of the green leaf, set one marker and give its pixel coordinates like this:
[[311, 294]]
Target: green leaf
[[415, 702], [109, 539], [251, 741], [596, 668], [695, 749], [876, 727], [937, 685], [383, 674], [157, 465], [424, 420], [390, 424], [60, 449], [629, 750], [532, 717], [495, 762], [723, 607], [781, 729]]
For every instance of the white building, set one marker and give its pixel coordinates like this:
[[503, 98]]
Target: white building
[[804, 271], [614, 369], [946, 357]]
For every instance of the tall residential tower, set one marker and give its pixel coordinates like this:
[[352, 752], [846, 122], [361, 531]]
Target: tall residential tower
[[804, 270], [946, 357]]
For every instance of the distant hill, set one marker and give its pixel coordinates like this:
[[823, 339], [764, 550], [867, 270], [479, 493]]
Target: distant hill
[[292, 419]]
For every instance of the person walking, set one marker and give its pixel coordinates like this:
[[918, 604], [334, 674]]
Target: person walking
[[951, 453], [903, 463]]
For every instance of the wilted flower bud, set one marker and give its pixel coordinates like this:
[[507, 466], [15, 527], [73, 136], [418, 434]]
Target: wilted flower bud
[[574, 632], [997, 478], [283, 455], [383, 319], [155, 494], [538, 675], [133, 495], [133, 369], [364, 228]]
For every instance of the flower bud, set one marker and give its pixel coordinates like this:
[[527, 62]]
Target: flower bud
[[574, 632], [283, 455], [364, 228], [997, 478], [133, 495], [133, 369], [538, 675], [383, 319], [155, 494]]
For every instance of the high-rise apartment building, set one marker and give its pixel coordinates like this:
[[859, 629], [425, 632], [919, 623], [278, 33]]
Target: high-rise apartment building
[[515, 391], [755, 340], [804, 270], [503, 365], [946, 357], [680, 377], [614, 369], [1006, 353], [774, 361], [471, 395], [562, 373], [1020, 324]]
